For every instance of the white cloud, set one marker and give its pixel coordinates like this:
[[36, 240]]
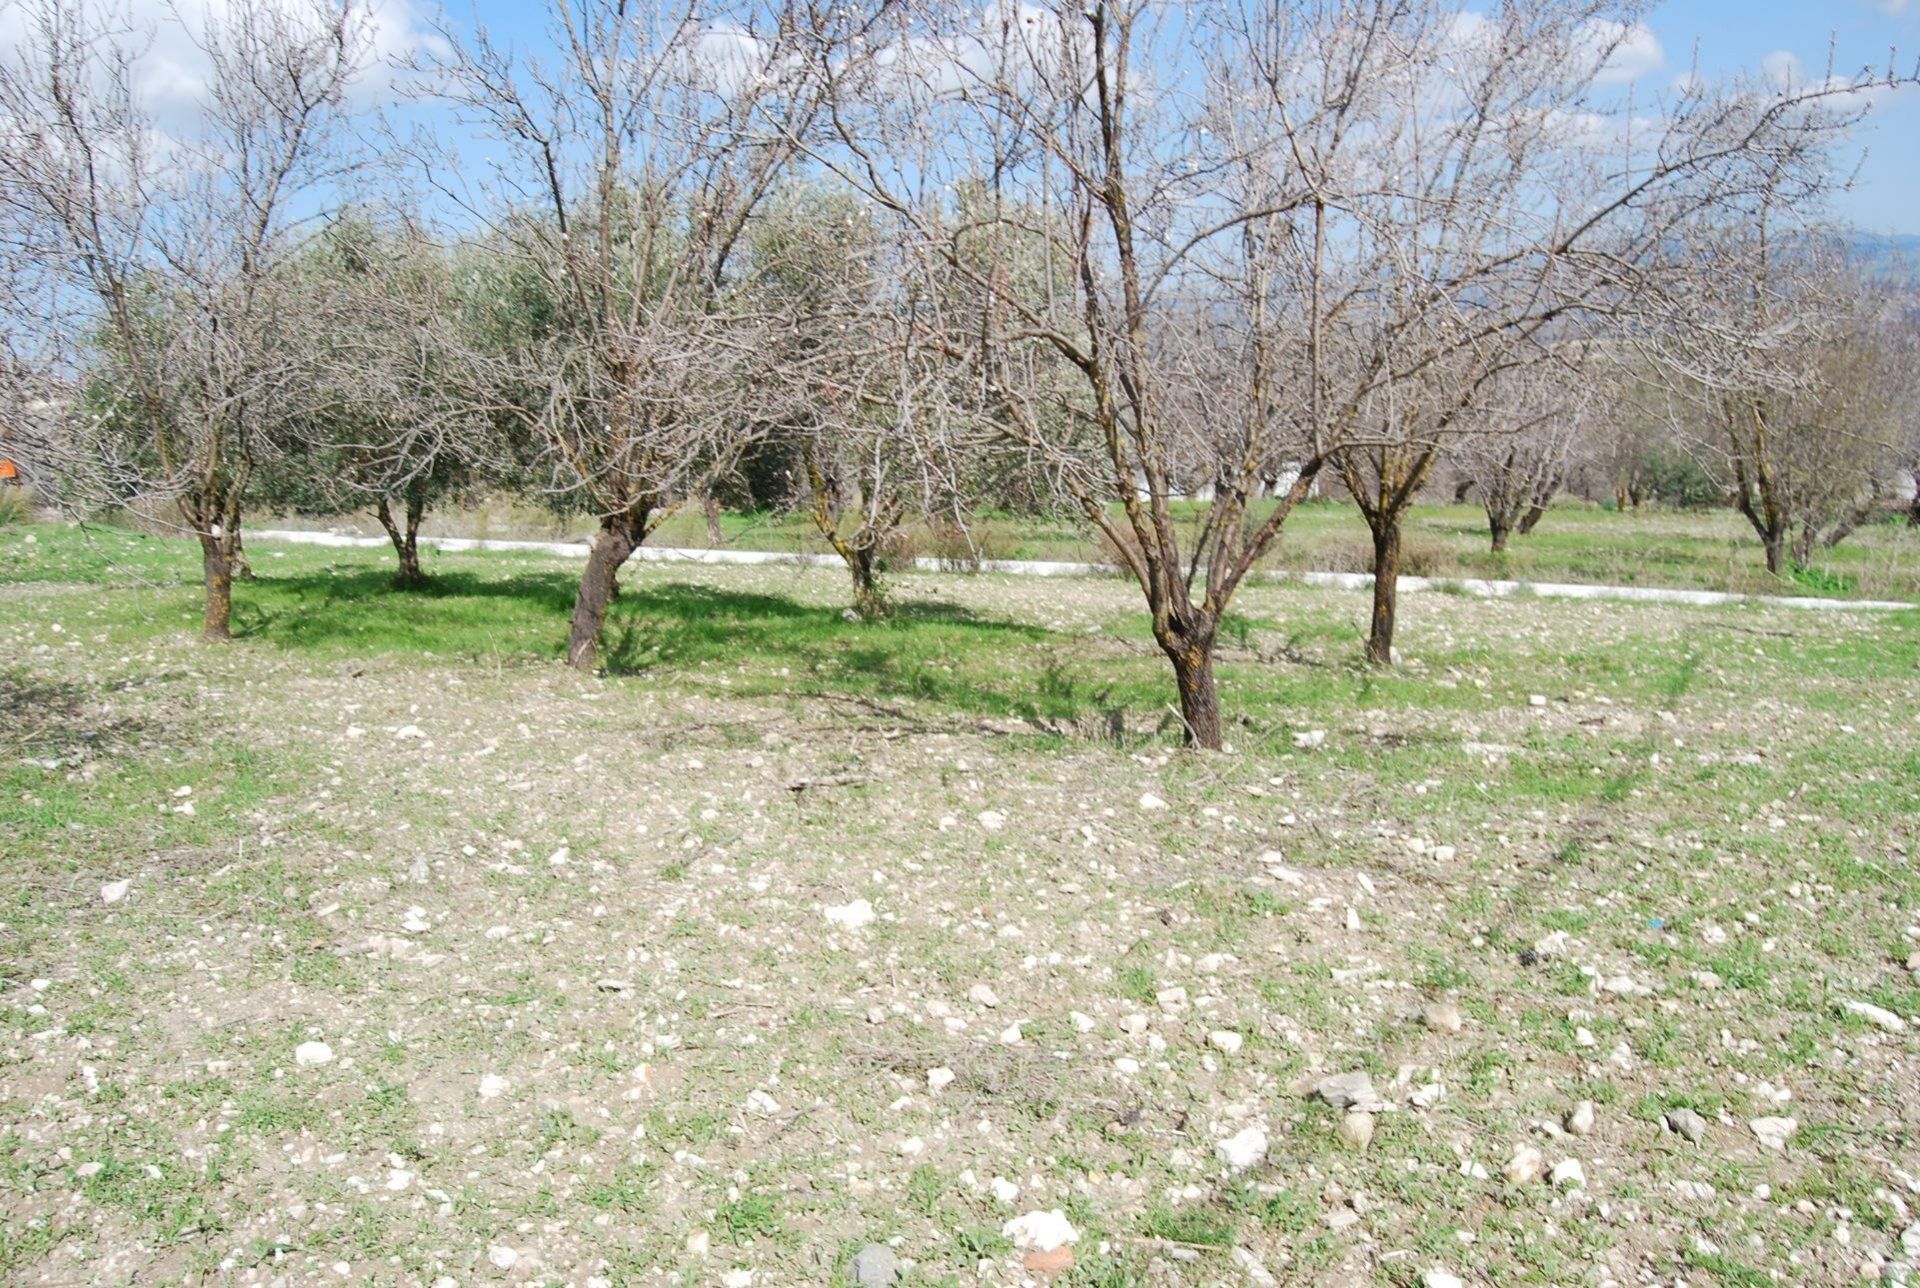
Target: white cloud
[[1626, 51]]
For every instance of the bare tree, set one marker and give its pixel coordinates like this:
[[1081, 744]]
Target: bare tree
[[1528, 436], [160, 243], [623, 332], [1772, 360], [1256, 219]]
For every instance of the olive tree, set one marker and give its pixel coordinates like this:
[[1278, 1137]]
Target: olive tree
[[625, 336], [160, 246]]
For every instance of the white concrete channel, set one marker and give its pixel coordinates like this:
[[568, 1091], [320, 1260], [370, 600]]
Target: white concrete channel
[[1476, 586]]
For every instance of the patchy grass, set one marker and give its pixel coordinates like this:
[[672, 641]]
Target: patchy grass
[[565, 938], [1701, 550]]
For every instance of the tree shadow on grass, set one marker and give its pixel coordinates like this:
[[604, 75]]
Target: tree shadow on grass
[[769, 644]]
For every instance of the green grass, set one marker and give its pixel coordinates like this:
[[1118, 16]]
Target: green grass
[[1708, 550], [1728, 791]]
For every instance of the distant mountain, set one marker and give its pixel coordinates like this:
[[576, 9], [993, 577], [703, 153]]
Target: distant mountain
[[1895, 254]]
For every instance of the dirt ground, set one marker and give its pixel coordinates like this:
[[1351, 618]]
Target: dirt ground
[[462, 971]]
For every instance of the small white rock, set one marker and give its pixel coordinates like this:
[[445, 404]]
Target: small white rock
[[1243, 1149], [939, 1079], [115, 891], [493, 1086], [1150, 802], [1773, 1132], [1526, 1166], [983, 995], [503, 1257], [853, 915], [309, 1055], [1569, 1175], [1040, 1231], [1226, 1041], [1879, 1017], [1580, 1120]]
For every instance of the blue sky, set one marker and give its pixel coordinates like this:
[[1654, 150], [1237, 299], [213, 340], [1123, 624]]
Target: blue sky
[[1735, 35], [1732, 36]]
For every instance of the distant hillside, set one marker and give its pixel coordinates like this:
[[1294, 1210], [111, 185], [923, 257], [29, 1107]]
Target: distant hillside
[[1895, 254]]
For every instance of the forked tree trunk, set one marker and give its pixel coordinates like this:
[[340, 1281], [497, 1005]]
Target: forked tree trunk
[[216, 567], [619, 537], [1530, 519], [1386, 590], [1199, 692], [406, 542]]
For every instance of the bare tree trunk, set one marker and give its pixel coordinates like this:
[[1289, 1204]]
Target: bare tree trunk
[[619, 537], [1803, 543], [241, 568], [1460, 491], [1386, 589], [1497, 526], [1913, 510], [869, 601], [1776, 547], [1199, 692], [1530, 519], [406, 542], [216, 565], [711, 505]]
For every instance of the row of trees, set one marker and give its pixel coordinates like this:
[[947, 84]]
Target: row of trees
[[1108, 254]]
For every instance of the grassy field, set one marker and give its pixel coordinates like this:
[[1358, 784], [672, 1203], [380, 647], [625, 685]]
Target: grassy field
[[1693, 550], [586, 1018]]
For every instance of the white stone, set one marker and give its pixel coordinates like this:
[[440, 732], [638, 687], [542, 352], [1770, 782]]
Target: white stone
[[1004, 1190], [1149, 801], [1526, 1166], [992, 819], [1010, 1036], [1307, 739], [1580, 1120], [938, 1079], [115, 891], [853, 915], [493, 1086], [1226, 1041], [503, 1257], [1040, 1231], [759, 1102], [1879, 1017], [1569, 1175], [1243, 1149], [1441, 1279], [308, 1055], [1773, 1132], [983, 995]]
